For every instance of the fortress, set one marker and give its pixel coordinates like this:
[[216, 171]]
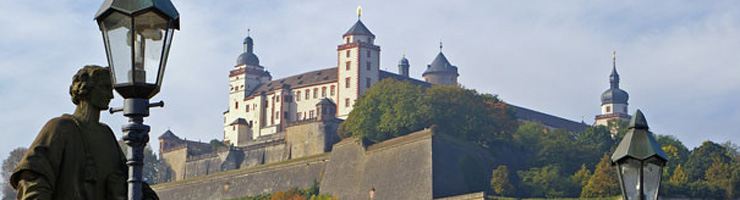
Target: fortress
[[291, 124]]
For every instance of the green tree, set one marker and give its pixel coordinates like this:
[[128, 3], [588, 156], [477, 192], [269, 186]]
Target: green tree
[[545, 181], [151, 163], [582, 176], [701, 159], [479, 118], [603, 182], [388, 109], [500, 182], [9, 165], [676, 151], [216, 144]]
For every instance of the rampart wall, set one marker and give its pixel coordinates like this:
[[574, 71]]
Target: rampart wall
[[269, 178]]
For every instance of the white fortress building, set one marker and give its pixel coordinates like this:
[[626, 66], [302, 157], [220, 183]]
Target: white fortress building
[[260, 106]]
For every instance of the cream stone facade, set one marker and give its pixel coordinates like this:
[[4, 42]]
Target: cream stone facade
[[260, 106]]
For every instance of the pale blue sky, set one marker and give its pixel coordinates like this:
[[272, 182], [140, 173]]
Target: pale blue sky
[[679, 60]]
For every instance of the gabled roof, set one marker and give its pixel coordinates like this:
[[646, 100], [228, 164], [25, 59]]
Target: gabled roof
[[305, 79], [523, 113], [359, 29], [168, 135], [385, 75]]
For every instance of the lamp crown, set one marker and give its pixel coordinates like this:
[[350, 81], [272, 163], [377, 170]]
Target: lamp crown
[[638, 121]]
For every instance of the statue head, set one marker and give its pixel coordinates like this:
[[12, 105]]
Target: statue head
[[92, 84]]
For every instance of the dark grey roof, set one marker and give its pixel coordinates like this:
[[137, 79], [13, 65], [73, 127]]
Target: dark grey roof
[[326, 101], [300, 80], [239, 121], [168, 135], [614, 94], [440, 65], [359, 29], [403, 61], [523, 113], [248, 57], [385, 75]]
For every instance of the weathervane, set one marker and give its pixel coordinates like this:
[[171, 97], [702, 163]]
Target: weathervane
[[359, 12]]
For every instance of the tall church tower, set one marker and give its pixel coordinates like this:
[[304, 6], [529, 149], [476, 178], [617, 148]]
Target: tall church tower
[[244, 78], [614, 100], [358, 61], [441, 72]]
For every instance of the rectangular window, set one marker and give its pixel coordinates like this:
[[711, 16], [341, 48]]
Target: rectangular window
[[298, 96], [277, 98], [277, 115], [347, 64], [347, 53], [346, 83], [316, 93], [310, 114], [368, 82], [331, 91], [367, 66], [298, 116], [307, 95], [346, 102], [247, 107], [368, 53], [236, 105]]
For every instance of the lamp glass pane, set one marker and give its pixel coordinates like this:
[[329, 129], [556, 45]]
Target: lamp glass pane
[[630, 170], [116, 29], [652, 172], [150, 29], [165, 54]]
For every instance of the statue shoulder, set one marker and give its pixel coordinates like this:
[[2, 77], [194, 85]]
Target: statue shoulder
[[60, 126]]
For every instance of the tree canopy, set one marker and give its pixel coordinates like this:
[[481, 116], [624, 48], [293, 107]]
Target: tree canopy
[[393, 108]]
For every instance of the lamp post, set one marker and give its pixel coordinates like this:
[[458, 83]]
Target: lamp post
[[640, 161], [137, 36]]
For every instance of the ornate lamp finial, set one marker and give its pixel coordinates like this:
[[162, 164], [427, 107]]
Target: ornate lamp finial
[[359, 12]]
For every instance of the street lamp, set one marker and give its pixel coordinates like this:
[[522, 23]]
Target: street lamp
[[639, 160], [137, 36]]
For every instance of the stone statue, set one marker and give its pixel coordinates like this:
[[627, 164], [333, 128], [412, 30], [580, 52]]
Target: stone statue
[[75, 156]]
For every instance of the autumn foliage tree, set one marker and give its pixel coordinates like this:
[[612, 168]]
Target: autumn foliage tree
[[500, 182], [604, 182]]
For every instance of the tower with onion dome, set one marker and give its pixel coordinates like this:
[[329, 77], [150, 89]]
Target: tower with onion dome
[[613, 100]]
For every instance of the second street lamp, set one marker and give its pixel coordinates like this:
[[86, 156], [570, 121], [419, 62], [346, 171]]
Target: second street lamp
[[640, 161], [137, 36]]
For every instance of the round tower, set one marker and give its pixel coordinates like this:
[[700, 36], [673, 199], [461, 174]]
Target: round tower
[[441, 72]]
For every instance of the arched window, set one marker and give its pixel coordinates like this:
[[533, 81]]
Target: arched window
[[307, 94], [316, 93], [323, 91], [331, 91], [298, 96]]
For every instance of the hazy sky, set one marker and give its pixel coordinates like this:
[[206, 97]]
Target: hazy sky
[[679, 60]]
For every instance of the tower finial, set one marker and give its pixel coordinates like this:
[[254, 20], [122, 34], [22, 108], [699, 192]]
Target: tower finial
[[249, 32], [440, 45], [359, 12], [403, 51]]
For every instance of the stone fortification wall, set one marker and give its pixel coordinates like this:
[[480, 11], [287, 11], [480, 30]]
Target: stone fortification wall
[[214, 162], [421, 165], [175, 168], [269, 178], [305, 139], [400, 168]]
